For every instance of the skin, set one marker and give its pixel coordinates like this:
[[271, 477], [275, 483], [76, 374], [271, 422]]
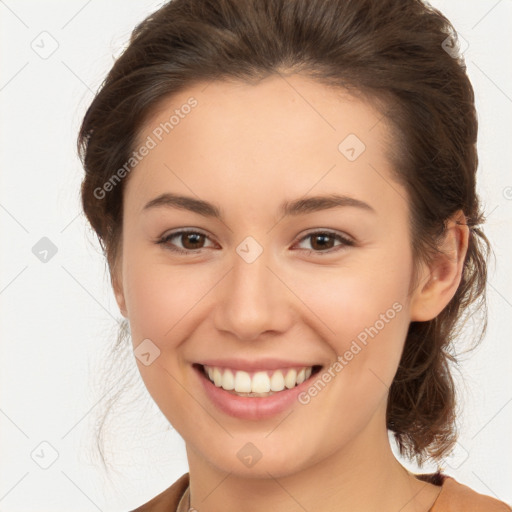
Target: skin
[[246, 148]]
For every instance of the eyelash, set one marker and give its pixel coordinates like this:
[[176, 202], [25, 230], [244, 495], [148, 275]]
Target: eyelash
[[345, 242]]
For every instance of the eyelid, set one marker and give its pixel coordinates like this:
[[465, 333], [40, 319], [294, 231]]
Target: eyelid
[[178, 231], [164, 239], [326, 231], [346, 240]]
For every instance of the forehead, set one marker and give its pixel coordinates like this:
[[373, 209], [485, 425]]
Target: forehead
[[295, 103], [284, 133]]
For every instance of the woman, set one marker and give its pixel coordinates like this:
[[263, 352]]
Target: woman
[[285, 194]]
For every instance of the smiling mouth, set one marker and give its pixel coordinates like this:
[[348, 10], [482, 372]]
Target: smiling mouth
[[259, 383]]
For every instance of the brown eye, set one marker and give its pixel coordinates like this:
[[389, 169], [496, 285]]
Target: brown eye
[[324, 242], [184, 242], [192, 240]]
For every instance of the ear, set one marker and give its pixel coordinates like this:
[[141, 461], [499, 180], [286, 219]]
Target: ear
[[439, 282], [117, 286]]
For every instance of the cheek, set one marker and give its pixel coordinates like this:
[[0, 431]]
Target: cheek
[[361, 311], [348, 299], [160, 301], [367, 319], [159, 295]]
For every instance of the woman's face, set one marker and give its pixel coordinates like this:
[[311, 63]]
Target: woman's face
[[299, 256]]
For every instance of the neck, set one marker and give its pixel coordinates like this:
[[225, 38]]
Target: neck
[[365, 477]]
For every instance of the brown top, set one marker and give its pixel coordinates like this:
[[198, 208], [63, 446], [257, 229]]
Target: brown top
[[454, 497]]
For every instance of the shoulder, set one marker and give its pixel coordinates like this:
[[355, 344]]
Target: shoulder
[[166, 501], [454, 497], [457, 497]]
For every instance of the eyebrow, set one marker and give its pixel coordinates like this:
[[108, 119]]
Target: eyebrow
[[287, 208]]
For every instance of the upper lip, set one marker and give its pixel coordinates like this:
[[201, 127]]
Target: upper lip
[[256, 364]]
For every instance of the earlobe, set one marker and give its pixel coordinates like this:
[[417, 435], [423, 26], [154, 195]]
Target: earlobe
[[440, 281]]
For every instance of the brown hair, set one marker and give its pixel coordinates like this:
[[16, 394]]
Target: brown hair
[[393, 53]]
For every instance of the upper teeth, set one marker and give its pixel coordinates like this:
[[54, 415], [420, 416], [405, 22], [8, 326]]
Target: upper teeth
[[258, 382]]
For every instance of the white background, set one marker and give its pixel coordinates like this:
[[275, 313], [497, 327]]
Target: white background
[[56, 318]]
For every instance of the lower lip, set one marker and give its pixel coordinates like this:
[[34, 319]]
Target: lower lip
[[251, 408]]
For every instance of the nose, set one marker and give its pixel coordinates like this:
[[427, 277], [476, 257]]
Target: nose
[[252, 300]]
